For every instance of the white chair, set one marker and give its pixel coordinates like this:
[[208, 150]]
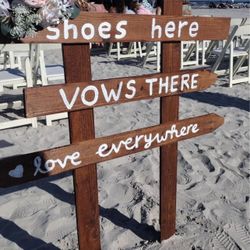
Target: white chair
[[12, 78], [189, 53], [48, 74], [12, 54], [152, 53], [55, 117], [193, 53], [17, 104], [236, 46], [242, 53], [122, 51], [149, 52], [12, 72], [43, 72]]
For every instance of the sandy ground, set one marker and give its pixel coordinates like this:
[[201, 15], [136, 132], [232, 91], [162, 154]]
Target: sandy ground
[[233, 13], [212, 185]]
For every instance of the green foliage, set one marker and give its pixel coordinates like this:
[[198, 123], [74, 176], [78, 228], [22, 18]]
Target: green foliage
[[24, 21], [20, 19]]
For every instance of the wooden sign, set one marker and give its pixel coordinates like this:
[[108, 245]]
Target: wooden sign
[[77, 96], [129, 28], [80, 95], [24, 168]]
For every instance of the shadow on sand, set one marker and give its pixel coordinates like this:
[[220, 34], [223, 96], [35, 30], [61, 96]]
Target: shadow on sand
[[23, 239], [9, 229], [220, 100]]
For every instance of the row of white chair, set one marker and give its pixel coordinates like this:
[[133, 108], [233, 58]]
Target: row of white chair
[[32, 73], [147, 52], [12, 75], [196, 53]]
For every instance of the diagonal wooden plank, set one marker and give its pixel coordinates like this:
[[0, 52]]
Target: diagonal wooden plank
[[23, 168]]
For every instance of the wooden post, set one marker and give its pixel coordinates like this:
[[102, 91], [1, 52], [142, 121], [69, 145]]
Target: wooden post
[[169, 112], [78, 68]]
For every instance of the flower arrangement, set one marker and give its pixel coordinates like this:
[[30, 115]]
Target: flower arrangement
[[22, 18]]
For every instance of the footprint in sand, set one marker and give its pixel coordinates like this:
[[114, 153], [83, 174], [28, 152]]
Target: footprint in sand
[[218, 176], [183, 179], [223, 241], [207, 163], [239, 234]]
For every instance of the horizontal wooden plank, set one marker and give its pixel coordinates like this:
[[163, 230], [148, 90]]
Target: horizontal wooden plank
[[99, 27], [23, 168], [76, 96]]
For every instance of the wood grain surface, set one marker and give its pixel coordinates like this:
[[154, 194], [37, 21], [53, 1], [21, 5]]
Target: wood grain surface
[[110, 28], [169, 113], [46, 100], [77, 67], [23, 168]]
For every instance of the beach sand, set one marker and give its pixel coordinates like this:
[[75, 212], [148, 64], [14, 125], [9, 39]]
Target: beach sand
[[212, 185]]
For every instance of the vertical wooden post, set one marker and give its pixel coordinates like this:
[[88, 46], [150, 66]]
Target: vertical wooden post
[[78, 68], [169, 112]]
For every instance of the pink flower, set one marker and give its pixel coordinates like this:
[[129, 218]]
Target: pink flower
[[55, 11]]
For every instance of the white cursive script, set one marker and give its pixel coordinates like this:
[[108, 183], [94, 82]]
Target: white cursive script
[[148, 140], [50, 164]]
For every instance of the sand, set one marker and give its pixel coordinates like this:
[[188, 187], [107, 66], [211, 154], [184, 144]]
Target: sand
[[233, 13], [212, 185]]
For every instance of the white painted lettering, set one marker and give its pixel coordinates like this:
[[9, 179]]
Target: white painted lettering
[[183, 131], [112, 94], [88, 35], [56, 35], [184, 81], [103, 30], [103, 148], [127, 142], [95, 96], [174, 83], [132, 88], [194, 81], [70, 104], [119, 28], [68, 27], [50, 164], [195, 128], [193, 29], [151, 81], [181, 25], [170, 29], [163, 85], [156, 28], [147, 140]]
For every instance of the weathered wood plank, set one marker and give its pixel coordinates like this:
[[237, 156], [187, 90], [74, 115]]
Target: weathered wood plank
[[77, 67], [23, 168], [169, 113], [99, 27], [77, 96]]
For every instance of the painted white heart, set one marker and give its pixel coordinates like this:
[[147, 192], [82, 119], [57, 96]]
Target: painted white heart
[[17, 172]]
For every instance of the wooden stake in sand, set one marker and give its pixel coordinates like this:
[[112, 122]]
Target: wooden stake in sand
[[81, 125], [80, 95], [169, 112]]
